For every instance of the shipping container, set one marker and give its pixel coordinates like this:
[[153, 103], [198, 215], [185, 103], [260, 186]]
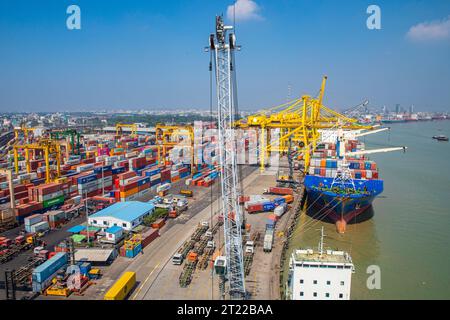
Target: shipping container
[[122, 288], [49, 267]]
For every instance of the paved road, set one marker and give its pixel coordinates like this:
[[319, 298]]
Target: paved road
[[157, 278]]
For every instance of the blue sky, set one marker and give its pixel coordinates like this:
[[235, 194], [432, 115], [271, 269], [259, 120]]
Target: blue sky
[[149, 54]]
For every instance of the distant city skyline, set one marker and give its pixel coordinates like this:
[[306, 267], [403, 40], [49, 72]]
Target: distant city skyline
[[148, 55]]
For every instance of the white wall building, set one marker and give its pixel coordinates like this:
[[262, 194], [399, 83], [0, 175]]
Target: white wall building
[[323, 275]]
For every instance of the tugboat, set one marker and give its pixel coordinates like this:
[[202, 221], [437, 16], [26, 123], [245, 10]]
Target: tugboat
[[440, 138]]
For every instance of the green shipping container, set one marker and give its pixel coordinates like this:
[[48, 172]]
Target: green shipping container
[[52, 202]]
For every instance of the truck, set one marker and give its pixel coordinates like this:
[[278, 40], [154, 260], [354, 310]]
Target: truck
[[279, 191], [177, 259], [249, 247], [187, 193], [268, 240]]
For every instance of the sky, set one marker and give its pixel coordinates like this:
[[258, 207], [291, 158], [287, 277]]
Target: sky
[[149, 54]]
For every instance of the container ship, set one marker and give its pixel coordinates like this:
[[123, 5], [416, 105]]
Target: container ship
[[342, 182]]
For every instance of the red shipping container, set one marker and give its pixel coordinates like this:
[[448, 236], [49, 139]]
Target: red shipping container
[[158, 224], [149, 236], [128, 186], [282, 191], [255, 208]]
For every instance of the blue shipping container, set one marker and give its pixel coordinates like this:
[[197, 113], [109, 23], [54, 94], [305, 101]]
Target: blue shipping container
[[87, 179], [155, 182], [118, 170], [105, 168], [268, 206], [49, 267], [279, 201]]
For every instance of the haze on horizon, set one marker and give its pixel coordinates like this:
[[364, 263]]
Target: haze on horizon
[[149, 54]]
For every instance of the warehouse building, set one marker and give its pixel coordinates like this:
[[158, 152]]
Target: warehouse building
[[126, 215]]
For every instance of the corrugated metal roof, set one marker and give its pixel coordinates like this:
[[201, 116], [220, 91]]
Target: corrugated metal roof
[[126, 211], [93, 255], [113, 229], [76, 229]]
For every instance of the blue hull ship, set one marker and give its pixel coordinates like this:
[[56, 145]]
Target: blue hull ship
[[338, 204]]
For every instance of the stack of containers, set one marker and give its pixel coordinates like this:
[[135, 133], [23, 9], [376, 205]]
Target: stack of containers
[[128, 190], [143, 186], [55, 218], [39, 227], [137, 163], [88, 184], [24, 210], [155, 177], [50, 194], [32, 220], [175, 172], [43, 274], [165, 175], [185, 171]]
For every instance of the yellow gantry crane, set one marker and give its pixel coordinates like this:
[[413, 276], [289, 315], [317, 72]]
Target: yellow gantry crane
[[298, 121], [49, 147], [169, 136], [26, 131], [120, 126]]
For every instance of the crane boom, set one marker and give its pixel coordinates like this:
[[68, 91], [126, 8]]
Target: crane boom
[[223, 50], [358, 153], [362, 134]]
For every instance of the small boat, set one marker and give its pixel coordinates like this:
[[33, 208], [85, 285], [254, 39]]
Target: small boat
[[440, 138]]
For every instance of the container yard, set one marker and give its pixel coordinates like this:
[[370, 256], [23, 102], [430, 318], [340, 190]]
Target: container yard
[[150, 215], [135, 194]]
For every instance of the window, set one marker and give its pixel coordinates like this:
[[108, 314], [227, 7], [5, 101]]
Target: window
[[315, 294], [327, 295], [105, 223], [341, 295], [301, 294], [315, 282], [95, 221], [124, 225], [328, 282], [301, 281], [342, 283]]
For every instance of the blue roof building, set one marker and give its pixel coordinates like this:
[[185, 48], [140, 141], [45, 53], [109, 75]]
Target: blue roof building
[[76, 229], [126, 215]]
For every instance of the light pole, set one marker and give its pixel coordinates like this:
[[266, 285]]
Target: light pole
[[87, 215], [103, 181]]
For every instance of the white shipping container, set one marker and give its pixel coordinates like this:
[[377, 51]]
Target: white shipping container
[[280, 210], [49, 196], [39, 227], [77, 200], [36, 218], [155, 177]]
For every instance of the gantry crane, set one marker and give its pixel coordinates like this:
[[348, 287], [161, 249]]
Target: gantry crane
[[49, 147], [26, 132], [231, 267], [74, 138], [169, 136], [120, 126], [298, 122]]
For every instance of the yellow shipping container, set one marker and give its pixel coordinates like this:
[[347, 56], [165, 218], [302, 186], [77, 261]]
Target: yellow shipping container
[[128, 193], [122, 287]]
